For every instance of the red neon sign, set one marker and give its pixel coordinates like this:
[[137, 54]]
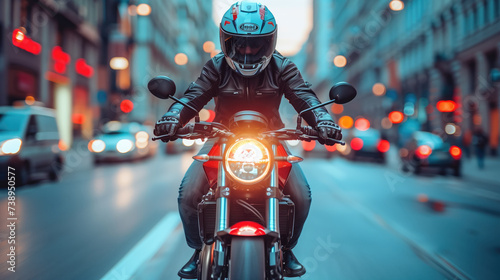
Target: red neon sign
[[61, 59], [83, 68], [20, 40]]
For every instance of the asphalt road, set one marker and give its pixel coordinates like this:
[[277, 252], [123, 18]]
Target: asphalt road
[[367, 221]]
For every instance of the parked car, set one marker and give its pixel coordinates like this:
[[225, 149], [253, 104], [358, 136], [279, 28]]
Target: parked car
[[365, 145], [428, 150], [123, 141], [30, 143]]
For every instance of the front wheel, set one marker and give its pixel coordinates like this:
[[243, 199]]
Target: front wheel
[[247, 259]]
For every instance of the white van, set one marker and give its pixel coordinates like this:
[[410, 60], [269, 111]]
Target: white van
[[30, 143]]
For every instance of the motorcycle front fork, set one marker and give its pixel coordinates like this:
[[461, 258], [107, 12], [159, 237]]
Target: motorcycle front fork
[[222, 217]]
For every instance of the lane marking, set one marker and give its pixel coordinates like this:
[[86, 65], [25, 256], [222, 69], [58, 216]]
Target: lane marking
[[145, 249]]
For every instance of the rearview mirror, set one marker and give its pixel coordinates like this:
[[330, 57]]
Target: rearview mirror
[[162, 87], [342, 92]]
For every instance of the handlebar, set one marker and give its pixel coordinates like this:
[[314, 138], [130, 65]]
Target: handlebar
[[211, 130]]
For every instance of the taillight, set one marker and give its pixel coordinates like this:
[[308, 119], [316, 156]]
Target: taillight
[[383, 146], [331, 148], [455, 152], [308, 146], [423, 151], [356, 144]]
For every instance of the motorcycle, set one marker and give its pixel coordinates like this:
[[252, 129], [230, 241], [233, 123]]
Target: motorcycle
[[245, 217]]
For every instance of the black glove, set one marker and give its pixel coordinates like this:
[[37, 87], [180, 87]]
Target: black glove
[[328, 129], [167, 125]]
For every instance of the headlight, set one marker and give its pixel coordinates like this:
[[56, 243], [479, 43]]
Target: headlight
[[11, 146], [247, 161], [97, 146], [124, 146]]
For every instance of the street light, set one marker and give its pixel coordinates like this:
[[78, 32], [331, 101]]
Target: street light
[[118, 63], [181, 59], [378, 89], [340, 61], [208, 46], [143, 9], [396, 5]]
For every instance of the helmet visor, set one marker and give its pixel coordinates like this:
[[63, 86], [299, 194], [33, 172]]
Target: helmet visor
[[246, 49]]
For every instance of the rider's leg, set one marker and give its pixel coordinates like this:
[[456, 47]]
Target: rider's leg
[[300, 193], [298, 190], [194, 185]]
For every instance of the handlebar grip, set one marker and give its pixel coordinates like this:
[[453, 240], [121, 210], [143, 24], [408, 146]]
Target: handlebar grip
[[186, 129]]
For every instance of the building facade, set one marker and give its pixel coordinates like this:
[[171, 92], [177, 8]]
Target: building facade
[[48, 54], [428, 52]]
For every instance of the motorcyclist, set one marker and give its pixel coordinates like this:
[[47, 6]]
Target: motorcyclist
[[249, 74]]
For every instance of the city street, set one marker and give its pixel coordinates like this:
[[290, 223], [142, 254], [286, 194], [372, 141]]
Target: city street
[[367, 221]]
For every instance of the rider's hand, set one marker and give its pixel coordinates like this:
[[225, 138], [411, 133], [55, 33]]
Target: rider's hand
[[167, 125], [328, 129]]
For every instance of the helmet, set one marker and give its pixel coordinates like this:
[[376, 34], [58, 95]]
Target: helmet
[[248, 37]]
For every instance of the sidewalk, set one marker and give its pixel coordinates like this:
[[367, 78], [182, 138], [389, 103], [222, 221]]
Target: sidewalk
[[490, 175]]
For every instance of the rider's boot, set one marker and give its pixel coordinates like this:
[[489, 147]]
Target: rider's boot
[[291, 266], [190, 269]]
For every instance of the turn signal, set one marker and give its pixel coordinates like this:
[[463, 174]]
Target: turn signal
[[202, 158], [294, 159]]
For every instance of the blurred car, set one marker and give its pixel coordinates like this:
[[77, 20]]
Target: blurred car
[[30, 143], [365, 145], [425, 149], [123, 141]]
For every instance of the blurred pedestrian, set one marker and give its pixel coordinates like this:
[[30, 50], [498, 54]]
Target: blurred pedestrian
[[480, 140]]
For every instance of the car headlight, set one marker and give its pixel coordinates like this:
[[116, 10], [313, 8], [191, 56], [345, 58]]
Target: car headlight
[[11, 146], [97, 146], [124, 146], [141, 139], [247, 161]]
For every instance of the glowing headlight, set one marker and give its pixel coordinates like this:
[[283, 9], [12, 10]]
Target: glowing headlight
[[247, 161], [11, 146], [124, 146], [97, 146]]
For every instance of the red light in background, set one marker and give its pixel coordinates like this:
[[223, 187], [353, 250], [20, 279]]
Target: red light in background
[[446, 106], [59, 67], [356, 144], [59, 55], [456, 152], [423, 151], [383, 146], [332, 148], [308, 146], [396, 117], [362, 124], [83, 68], [126, 106], [20, 40], [78, 118]]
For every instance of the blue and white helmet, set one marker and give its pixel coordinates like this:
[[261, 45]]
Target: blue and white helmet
[[248, 37]]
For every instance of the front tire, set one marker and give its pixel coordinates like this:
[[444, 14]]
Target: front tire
[[247, 259]]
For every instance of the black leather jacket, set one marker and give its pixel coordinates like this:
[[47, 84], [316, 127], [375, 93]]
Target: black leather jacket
[[261, 93]]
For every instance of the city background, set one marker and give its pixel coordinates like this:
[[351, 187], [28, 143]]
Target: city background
[[418, 66]]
